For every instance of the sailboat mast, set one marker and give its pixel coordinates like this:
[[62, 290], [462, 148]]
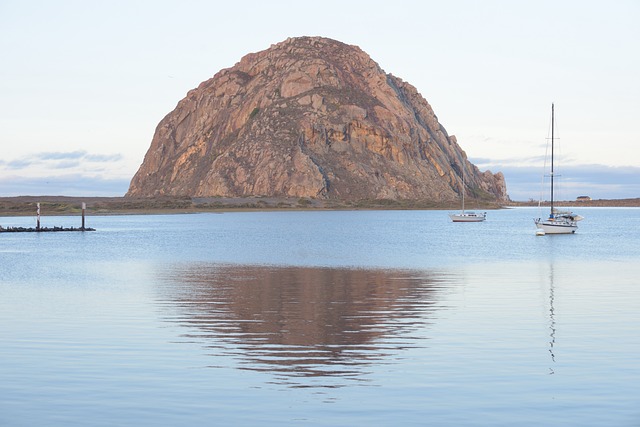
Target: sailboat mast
[[552, 126], [463, 187]]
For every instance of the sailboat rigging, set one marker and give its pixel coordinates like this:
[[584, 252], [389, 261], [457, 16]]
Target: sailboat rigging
[[467, 216], [559, 222]]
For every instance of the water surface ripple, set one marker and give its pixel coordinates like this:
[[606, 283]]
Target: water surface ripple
[[321, 318], [310, 322]]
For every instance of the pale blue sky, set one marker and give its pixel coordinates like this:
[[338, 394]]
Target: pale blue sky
[[83, 84]]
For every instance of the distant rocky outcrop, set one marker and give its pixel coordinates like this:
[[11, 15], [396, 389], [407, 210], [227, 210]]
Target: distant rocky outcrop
[[308, 117]]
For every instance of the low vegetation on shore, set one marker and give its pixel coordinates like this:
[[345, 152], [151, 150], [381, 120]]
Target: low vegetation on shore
[[61, 205]]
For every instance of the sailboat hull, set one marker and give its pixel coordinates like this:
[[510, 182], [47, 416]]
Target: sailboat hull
[[556, 227], [468, 217]]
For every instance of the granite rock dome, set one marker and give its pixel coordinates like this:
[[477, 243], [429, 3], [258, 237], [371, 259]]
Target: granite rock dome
[[308, 117]]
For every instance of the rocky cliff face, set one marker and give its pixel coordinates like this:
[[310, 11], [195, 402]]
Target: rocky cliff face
[[308, 117]]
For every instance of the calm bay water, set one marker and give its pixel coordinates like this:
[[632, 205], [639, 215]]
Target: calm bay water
[[321, 318]]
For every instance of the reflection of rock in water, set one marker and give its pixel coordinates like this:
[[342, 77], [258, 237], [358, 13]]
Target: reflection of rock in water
[[302, 322]]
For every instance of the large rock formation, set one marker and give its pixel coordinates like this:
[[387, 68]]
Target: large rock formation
[[308, 117]]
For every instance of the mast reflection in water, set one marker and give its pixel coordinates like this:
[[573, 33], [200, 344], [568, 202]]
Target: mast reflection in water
[[299, 323]]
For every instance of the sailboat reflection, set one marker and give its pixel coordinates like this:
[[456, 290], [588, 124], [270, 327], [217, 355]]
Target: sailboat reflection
[[300, 323], [552, 321]]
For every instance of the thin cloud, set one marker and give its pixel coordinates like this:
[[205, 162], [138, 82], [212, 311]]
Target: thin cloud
[[508, 161], [596, 181], [60, 160], [66, 164], [19, 164], [68, 185], [103, 158], [60, 155], [534, 161]]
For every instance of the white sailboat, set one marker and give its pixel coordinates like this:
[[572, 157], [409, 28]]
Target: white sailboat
[[559, 222], [467, 216]]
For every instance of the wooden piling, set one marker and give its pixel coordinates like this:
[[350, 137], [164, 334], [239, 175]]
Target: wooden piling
[[84, 206], [44, 229]]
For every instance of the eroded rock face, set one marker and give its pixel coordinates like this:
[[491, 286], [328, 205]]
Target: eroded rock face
[[308, 117]]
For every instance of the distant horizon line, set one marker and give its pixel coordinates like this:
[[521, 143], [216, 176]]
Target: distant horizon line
[[170, 197]]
